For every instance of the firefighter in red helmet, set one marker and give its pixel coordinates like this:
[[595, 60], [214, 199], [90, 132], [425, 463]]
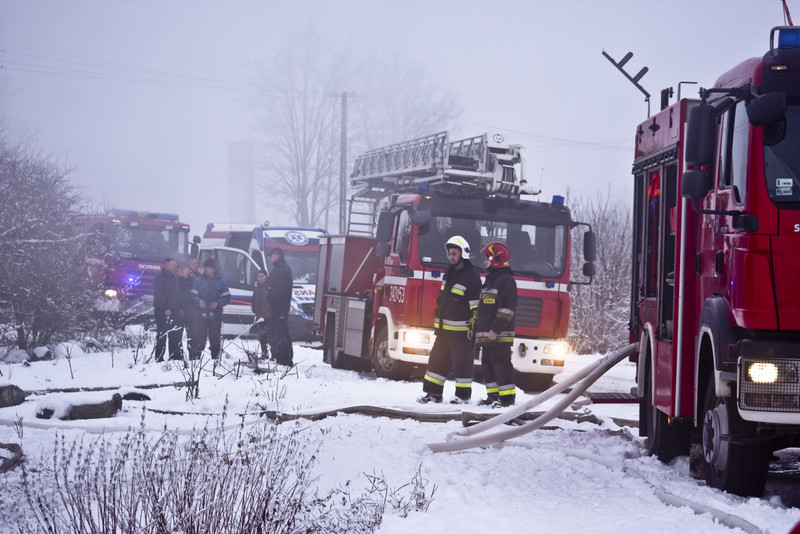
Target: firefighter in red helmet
[[494, 328], [455, 308]]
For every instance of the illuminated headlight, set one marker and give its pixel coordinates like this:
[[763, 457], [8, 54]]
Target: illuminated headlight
[[416, 337], [110, 293], [763, 373], [555, 349]]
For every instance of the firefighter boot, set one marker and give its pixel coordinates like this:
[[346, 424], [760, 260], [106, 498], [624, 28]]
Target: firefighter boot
[[490, 399], [430, 398]]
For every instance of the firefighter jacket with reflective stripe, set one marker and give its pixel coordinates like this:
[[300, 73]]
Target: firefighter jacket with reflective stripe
[[458, 297], [497, 307]]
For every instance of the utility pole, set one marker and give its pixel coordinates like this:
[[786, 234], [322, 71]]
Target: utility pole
[[343, 165]]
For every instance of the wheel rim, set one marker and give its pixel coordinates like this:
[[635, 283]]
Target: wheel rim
[[715, 433], [383, 355]]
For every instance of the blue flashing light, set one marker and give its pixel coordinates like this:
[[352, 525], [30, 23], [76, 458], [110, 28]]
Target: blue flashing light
[[423, 187], [558, 200], [123, 213], [788, 38], [550, 284], [167, 217]]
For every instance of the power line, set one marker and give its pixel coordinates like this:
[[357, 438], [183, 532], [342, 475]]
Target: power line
[[58, 64], [607, 145]]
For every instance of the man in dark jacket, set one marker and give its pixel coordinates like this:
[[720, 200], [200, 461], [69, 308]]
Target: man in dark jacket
[[455, 306], [168, 312], [185, 283], [211, 294], [279, 296], [494, 331], [262, 311]]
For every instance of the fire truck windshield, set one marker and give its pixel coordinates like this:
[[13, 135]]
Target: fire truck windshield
[[537, 248], [782, 159], [303, 264], [146, 242]]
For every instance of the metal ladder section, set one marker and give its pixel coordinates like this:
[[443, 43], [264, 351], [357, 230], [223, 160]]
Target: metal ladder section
[[430, 159]]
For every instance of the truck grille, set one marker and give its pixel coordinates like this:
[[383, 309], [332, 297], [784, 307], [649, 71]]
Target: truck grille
[[529, 312]]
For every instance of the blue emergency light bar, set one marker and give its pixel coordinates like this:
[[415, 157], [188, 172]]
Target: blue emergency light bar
[[145, 215], [788, 37]]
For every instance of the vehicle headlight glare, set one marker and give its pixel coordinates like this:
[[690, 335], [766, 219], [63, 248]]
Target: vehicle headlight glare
[[555, 349], [415, 336], [763, 373], [110, 293]]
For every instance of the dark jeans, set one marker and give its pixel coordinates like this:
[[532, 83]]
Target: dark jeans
[[207, 328], [169, 332], [280, 341], [498, 371]]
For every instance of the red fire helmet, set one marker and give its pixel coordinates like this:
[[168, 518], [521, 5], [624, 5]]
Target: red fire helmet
[[497, 253]]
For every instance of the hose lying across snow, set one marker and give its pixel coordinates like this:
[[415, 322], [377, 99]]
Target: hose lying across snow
[[467, 438]]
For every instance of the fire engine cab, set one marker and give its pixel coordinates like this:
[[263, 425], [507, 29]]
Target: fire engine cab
[[715, 299], [378, 284]]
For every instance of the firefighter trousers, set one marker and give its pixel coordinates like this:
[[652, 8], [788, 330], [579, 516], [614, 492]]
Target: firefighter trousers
[[498, 372], [452, 351]]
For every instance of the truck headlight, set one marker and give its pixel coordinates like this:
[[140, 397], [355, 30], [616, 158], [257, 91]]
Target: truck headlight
[[763, 372], [416, 336], [555, 349], [110, 293]]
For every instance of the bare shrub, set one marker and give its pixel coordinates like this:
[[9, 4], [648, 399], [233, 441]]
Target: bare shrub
[[257, 480]]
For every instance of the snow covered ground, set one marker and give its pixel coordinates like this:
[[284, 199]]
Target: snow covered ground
[[576, 477]]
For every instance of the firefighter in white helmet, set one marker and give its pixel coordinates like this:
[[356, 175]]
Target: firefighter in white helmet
[[455, 309]]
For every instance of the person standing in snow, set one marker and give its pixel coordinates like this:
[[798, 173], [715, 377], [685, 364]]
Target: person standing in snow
[[494, 328], [211, 294], [279, 296], [455, 308], [168, 312], [185, 283], [262, 311]]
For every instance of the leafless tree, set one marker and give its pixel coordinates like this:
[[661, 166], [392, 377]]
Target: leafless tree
[[298, 110], [45, 290], [599, 312]]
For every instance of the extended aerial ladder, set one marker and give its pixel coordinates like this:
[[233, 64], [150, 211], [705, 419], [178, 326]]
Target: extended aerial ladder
[[477, 165]]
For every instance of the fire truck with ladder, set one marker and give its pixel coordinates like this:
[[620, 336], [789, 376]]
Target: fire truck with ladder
[[378, 283], [715, 298]]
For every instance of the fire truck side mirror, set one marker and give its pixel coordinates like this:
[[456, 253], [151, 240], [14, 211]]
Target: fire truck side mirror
[[421, 218], [588, 269], [700, 135], [767, 109], [695, 184], [383, 249], [589, 247], [385, 227]]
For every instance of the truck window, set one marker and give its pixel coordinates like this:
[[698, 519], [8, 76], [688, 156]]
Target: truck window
[[403, 236], [236, 268], [734, 140], [782, 159]]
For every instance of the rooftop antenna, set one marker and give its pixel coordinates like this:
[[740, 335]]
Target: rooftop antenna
[[634, 79], [786, 13]]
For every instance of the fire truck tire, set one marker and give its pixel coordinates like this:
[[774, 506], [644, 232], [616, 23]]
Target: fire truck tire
[[384, 365], [666, 441], [533, 382], [738, 466]]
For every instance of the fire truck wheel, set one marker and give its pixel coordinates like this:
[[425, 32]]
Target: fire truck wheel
[[385, 366], [533, 382], [738, 465], [666, 441]]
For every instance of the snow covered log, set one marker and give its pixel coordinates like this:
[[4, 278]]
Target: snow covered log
[[11, 395]]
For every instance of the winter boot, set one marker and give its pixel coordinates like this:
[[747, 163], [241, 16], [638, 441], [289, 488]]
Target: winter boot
[[458, 400], [490, 399], [430, 398]]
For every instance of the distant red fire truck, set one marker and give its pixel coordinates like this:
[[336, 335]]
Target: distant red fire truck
[[127, 249], [378, 284], [715, 299]]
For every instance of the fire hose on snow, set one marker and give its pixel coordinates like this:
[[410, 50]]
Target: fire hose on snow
[[468, 438]]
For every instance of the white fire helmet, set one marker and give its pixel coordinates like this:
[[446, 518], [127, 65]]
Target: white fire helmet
[[460, 242]]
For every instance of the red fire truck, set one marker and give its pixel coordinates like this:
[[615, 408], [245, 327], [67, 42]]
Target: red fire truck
[[127, 250], [715, 299], [378, 284]]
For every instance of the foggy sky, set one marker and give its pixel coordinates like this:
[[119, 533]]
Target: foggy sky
[[141, 98]]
